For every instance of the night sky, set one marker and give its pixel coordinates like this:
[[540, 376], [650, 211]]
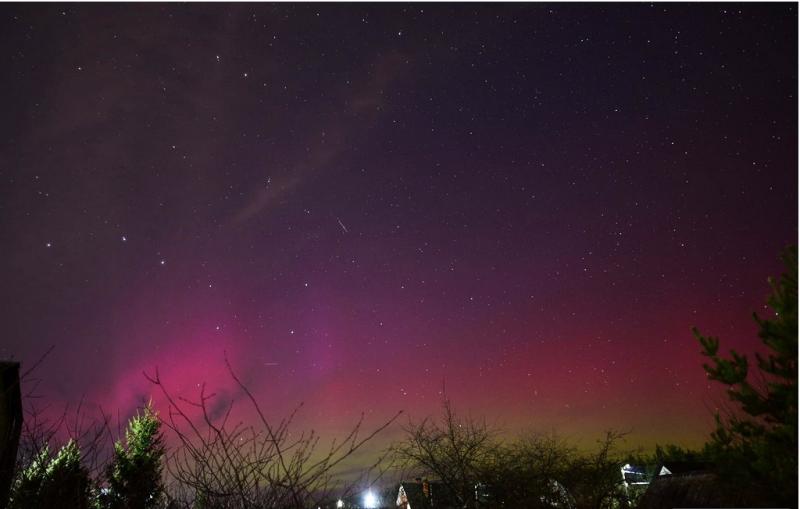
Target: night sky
[[530, 203]]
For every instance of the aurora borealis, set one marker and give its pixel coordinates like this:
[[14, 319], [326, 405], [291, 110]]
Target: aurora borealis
[[532, 203]]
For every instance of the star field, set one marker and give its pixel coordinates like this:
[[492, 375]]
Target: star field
[[530, 202]]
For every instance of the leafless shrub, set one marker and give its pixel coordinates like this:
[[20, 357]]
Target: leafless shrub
[[454, 450], [221, 464], [474, 468], [530, 472], [596, 481]]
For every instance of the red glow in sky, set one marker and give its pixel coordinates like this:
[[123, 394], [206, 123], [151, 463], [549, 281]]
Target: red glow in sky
[[528, 204]]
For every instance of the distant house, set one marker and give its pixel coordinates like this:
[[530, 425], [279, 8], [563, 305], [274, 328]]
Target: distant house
[[635, 480], [634, 474], [682, 468], [686, 484], [423, 494], [412, 494]]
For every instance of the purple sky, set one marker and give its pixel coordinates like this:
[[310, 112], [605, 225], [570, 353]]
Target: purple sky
[[533, 203]]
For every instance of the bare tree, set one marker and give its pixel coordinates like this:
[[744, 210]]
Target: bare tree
[[596, 480], [530, 472], [220, 464], [453, 450]]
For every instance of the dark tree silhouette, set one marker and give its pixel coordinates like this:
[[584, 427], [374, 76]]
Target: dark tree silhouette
[[10, 425], [595, 480], [454, 450], [755, 444], [531, 472], [220, 464]]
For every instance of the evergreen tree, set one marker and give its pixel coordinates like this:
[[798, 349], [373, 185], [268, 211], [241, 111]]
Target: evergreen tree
[[672, 452], [134, 476], [66, 483], [59, 482], [25, 489], [756, 446]]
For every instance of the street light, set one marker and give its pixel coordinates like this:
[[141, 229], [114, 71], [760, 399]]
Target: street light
[[370, 500], [339, 504]]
